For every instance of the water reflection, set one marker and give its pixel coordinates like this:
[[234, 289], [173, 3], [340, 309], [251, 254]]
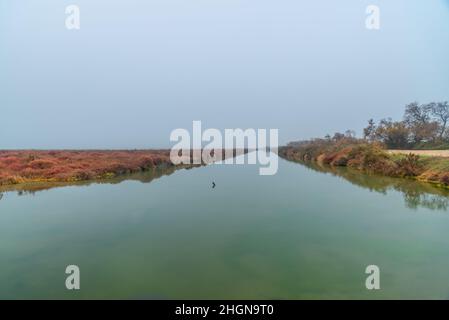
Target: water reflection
[[144, 177], [416, 194]]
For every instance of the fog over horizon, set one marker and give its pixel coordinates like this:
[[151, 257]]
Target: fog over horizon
[[137, 70]]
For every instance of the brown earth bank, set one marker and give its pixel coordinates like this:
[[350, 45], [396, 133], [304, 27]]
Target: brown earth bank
[[429, 166]]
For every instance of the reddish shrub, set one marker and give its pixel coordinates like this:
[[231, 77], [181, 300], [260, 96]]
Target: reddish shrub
[[10, 160], [81, 165], [42, 164]]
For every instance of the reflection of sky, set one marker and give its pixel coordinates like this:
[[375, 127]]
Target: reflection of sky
[[136, 70]]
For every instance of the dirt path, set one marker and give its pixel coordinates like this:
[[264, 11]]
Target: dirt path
[[434, 153]]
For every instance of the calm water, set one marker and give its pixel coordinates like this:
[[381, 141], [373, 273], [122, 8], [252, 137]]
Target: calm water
[[298, 234]]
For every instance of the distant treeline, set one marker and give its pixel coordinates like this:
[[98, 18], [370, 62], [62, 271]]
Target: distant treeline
[[425, 126]]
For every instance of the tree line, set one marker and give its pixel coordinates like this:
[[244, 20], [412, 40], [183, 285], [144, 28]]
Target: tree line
[[423, 126]]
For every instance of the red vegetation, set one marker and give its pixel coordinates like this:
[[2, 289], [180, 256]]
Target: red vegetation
[[29, 165]]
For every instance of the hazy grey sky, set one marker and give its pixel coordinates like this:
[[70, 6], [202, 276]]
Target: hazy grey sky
[[136, 70]]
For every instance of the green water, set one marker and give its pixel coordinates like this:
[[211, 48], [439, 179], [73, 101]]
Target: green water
[[300, 234]]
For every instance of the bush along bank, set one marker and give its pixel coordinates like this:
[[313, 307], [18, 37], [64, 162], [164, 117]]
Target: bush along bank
[[369, 158]]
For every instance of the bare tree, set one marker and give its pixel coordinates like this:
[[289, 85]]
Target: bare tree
[[440, 111], [370, 131], [416, 114], [418, 119]]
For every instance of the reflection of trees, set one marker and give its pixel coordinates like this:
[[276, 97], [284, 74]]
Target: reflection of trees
[[434, 202], [416, 194], [144, 177]]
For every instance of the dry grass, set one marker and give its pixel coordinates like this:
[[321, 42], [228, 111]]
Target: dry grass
[[430, 153], [20, 166]]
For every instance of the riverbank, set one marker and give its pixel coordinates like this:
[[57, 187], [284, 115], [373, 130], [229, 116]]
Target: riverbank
[[371, 158], [30, 166]]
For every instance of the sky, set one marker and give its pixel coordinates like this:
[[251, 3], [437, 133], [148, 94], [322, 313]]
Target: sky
[[136, 70]]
